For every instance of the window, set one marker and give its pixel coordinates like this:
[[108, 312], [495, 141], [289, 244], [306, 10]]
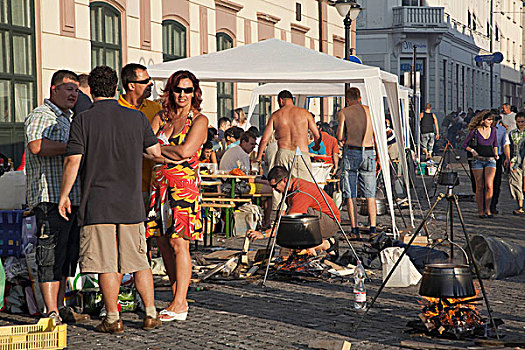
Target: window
[[17, 57], [224, 90], [298, 12], [469, 19], [410, 3], [105, 36], [173, 40]]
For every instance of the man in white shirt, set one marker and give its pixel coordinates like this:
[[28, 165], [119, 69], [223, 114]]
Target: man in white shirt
[[239, 156], [508, 118]]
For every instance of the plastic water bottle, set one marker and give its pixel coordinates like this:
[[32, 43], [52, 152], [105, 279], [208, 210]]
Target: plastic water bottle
[[359, 287]]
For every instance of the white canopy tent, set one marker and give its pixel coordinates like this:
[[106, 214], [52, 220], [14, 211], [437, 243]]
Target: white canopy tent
[[331, 89], [276, 61]]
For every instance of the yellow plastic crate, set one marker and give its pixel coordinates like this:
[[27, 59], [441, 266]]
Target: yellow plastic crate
[[43, 335]]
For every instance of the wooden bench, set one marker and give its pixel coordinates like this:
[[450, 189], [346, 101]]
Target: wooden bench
[[228, 204]]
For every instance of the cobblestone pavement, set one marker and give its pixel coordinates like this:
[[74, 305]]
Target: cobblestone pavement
[[289, 314]]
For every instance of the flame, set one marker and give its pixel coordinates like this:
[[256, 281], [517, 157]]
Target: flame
[[451, 314], [297, 261]]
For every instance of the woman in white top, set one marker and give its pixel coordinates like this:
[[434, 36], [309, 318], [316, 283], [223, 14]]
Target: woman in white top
[[240, 120]]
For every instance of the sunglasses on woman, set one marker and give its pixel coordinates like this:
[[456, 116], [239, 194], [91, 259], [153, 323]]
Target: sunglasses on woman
[[187, 90]]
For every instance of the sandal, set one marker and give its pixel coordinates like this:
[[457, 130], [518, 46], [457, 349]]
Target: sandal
[[171, 316], [334, 248], [482, 216], [519, 211]]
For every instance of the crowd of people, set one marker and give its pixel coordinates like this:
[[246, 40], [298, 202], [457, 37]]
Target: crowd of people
[[494, 141], [104, 175]]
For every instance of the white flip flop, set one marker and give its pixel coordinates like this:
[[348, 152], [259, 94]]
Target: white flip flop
[[172, 316]]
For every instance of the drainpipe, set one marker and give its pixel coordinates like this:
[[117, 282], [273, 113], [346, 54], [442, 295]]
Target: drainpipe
[[320, 7]]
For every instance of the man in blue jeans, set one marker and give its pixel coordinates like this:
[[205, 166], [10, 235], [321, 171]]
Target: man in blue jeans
[[358, 157]]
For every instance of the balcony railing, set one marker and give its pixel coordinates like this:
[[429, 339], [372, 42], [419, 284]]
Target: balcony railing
[[419, 16]]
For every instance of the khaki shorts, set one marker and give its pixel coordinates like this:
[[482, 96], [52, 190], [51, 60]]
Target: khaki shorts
[[284, 157], [106, 248]]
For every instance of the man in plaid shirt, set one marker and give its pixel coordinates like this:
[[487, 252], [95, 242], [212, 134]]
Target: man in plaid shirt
[[46, 136]]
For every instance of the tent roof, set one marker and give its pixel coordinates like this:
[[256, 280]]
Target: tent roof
[[270, 61], [321, 89]]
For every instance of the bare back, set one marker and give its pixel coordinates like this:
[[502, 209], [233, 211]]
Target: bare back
[[291, 126], [357, 125]]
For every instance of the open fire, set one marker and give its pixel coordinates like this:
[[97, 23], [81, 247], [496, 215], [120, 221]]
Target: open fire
[[449, 317], [301, 261]]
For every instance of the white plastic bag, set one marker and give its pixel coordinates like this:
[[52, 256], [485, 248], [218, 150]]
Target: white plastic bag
[[405, 274]]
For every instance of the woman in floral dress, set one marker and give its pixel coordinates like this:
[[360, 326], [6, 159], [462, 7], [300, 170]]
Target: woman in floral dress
[[175, 215]]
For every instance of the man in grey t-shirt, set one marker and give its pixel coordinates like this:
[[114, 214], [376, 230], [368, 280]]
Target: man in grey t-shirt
[[508, 118]]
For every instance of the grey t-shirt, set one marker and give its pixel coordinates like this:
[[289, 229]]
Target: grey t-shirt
[[510, 120]]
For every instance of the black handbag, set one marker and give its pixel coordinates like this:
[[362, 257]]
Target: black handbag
[[473, 143]]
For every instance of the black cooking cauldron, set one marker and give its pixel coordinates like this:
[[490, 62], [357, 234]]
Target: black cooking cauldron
[[299, 231], [447, 281]]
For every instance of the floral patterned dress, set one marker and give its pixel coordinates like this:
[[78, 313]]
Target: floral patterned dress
[[175, 208]]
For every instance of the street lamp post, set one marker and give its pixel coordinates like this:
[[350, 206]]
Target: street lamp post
[[349, 9]]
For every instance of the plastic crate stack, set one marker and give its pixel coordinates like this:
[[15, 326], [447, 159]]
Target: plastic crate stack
[[11, 226]]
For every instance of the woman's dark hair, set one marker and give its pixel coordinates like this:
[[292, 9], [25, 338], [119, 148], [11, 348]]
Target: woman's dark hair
[[103, 81], [480, 117], [168, 96], [211, 133], [234, 132], [207, 145]]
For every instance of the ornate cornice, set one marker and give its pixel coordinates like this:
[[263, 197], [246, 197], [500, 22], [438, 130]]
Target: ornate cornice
[[267, 18], [299, 28], [228, 5]]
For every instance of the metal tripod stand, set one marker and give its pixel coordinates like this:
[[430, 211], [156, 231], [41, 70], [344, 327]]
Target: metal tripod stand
[[441, 165], [452, 203], [277, 222]]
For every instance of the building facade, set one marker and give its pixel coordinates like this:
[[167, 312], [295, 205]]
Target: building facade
[[448, 35], [39, 37]]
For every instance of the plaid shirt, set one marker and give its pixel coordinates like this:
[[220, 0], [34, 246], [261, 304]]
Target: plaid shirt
[[517, 139], [44, 173]]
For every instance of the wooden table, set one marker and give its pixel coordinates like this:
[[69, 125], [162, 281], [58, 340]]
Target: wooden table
[[233, 179], [229, 209]]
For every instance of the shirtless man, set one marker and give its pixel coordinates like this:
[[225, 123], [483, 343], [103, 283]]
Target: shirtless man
[[358, 157], [291, 125]]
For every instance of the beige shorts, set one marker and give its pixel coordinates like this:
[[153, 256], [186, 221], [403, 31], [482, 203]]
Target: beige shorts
[[284, 157], [106, 248]]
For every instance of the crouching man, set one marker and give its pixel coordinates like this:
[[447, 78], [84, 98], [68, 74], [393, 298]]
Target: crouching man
[[106, 144], [304, 198]]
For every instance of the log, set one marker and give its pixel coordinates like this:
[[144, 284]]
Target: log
[[329, 344], [412, 344]]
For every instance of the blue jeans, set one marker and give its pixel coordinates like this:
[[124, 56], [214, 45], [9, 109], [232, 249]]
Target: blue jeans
[[481, 164], [358, 164]]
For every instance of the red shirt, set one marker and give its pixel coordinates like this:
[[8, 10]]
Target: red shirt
[[298, 203], [330, 143]]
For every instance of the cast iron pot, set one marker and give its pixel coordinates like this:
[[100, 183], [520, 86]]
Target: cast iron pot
[[299, 231], [381, 206], [447, 281]]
